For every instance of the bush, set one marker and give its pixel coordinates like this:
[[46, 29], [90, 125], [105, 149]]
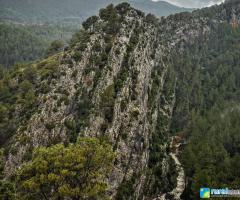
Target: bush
[[55, 47], [48, 68], [50, 126], [135, 113], [106, 13], [123, 105], [123, 8], [44, 88], [108, 113], [81, 38], [107, 102], [77, 56], [90, 22], [70, 124], [108, 97], [150, 18]]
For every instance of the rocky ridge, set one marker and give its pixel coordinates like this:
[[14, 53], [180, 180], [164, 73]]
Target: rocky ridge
[[118, 84]]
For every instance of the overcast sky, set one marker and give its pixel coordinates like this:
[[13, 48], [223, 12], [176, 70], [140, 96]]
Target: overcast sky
[[193, 3]]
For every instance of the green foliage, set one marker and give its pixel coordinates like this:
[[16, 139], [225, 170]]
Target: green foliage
[[208, 83], [150, 18], [80, 40], [2, 163], [18, 44], [208, 74], [124, 72], [126, 189], [161, 182], [77, 56], [212, 156], [55, 47], [107, 102], [109, 14], [123, 105], [135, 113], [108, 96], [84, 106], [90, 22], [6, 188], [77, 171], [17, 90], [74, 11], [48, 68], [50, 125], [72, 130], [122, 8], [21, 43]]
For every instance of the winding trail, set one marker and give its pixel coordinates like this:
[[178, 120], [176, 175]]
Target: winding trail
[[178, 191], [176, 142]]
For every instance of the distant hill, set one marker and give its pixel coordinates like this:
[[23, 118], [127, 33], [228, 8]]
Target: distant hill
[[20, 43], [72, 11]]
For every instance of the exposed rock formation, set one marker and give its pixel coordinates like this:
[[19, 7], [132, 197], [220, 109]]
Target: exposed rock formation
[[117, 84]]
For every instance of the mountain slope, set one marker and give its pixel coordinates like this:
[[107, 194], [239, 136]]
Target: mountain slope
[[24, 43], [73, 11], [49, 20], [130, 80], [16, 43]]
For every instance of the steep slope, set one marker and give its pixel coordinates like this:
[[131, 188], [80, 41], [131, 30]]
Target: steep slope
[[126, 79], [101, 90], [46, 21]]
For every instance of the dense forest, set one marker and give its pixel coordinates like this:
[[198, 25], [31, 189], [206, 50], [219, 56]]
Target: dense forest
[[209, 96], [23, 43]]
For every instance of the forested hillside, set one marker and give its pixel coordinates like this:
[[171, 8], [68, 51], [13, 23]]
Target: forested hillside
[[27, 27], [23, 43], [95, 120], [72, 11], [212, 70]]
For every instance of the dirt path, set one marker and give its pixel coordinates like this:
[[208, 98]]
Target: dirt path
[[176, 192]]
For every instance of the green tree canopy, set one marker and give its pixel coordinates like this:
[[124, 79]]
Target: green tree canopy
[[56, 46], [77, 171]]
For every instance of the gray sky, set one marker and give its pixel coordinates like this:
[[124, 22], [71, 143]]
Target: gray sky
[[193, 3]]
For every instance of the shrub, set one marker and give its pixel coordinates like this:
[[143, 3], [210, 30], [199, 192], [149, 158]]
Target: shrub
[[70, 124], [123, 105], [150, 18], [55, 47], [135, 113], [81, 38], [77, 56], [122, 8], [107, 102], [108, 97], [106, 13], [90, 22], [50, 126]]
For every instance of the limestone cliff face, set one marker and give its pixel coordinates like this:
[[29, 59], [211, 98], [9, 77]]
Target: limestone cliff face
[[117, 84]]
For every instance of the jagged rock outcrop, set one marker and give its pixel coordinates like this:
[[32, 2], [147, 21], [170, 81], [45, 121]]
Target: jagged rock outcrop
[[117, 82]]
